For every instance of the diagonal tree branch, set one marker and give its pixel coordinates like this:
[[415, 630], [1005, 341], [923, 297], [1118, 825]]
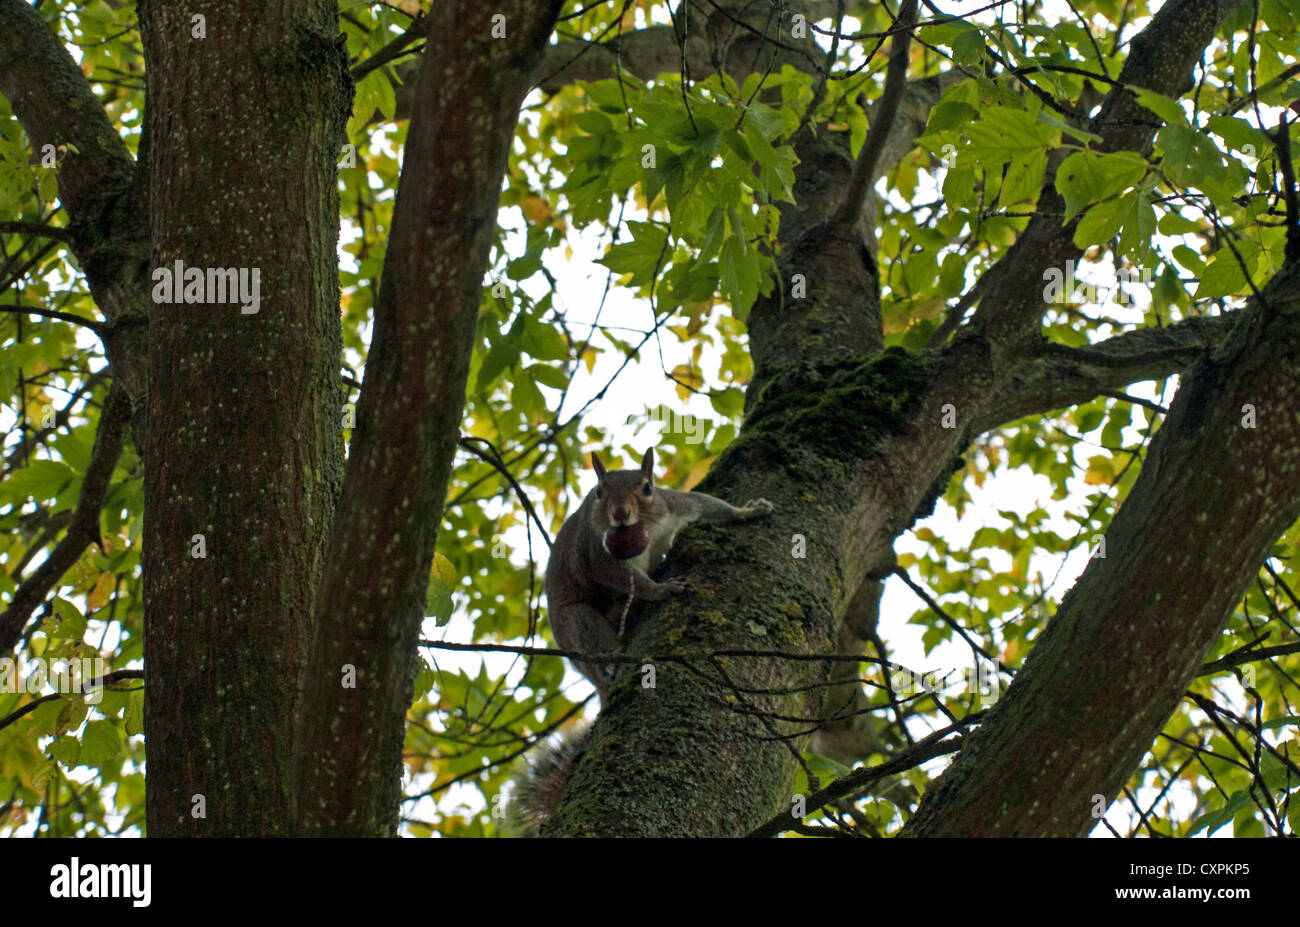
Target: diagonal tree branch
[[54, 102], [371, 601], [1056, 377], [882, 121], [99, 183], [84, 529], [1177, 557], [1161, 58]]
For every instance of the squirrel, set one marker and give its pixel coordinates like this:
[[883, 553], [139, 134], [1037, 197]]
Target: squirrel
[[605, 550]]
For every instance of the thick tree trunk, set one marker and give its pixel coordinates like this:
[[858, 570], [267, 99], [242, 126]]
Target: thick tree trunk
[[242, 470]]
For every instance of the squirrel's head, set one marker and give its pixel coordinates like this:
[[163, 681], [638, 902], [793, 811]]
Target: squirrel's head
[[624, 497]]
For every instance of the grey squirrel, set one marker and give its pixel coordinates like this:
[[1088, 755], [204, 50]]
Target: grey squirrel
[[607, 548]]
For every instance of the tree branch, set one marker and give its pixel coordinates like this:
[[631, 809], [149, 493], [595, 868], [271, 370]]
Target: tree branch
[[96, 327], [1161, 59], [99, 184], [36, 228], [927, 748], [883, 121], [84, 529], [1057, 377], [370, 603], [1179, 554], [54, 102]]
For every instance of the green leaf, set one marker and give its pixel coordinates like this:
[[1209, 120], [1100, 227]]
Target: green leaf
[[1168, 110], [134, 713], [740, 270], [437, 601], [951, 114], [1003, 133], [65, 750], [958, 187], [1088, 177], [1223, 277], [729, 402], [527, 398], [99, 743], [543, 341], [640, 256], [503, 354], [1172, 223], [1241, 135], [1099, 224], [71, 623], [39, 480], [1023, 181], [548, 376], [968, 47], [593, 122], [1193, 160], [425, 679], [1189, 259], [1139, 223]]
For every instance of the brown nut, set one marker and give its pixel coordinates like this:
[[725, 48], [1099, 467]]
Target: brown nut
[[623, 542]]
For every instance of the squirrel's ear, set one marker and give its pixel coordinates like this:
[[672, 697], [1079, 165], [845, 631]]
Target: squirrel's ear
[[648, 464], [597, 466]]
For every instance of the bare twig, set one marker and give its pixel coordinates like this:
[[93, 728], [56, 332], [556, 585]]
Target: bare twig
[[886, 110]]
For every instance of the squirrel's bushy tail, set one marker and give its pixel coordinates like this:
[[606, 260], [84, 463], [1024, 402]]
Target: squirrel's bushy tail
[[542, 779]]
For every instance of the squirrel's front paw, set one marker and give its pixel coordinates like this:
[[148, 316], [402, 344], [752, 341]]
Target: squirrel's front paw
[[675, 586], [759, 507]]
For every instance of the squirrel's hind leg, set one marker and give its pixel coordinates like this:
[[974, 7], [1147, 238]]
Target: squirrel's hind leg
[[580, 628]]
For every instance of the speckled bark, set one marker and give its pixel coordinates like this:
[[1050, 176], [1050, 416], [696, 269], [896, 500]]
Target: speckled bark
[[245, 446], [372, 603]]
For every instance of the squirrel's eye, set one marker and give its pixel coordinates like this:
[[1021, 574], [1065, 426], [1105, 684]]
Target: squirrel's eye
[[598, 493], [647, 490]]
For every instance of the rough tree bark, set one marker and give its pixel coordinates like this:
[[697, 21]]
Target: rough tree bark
[[242, 470]]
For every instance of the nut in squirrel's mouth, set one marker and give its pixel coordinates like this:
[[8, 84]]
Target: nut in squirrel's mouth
[[623, 542]]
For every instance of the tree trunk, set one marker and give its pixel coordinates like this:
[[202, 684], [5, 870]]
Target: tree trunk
[[242, 469], [363, 658]]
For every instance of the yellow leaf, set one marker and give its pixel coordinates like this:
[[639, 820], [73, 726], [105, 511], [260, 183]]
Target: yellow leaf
[[443, 570], [697, 472], [536, 210], [1099, 471], [98, 597]]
